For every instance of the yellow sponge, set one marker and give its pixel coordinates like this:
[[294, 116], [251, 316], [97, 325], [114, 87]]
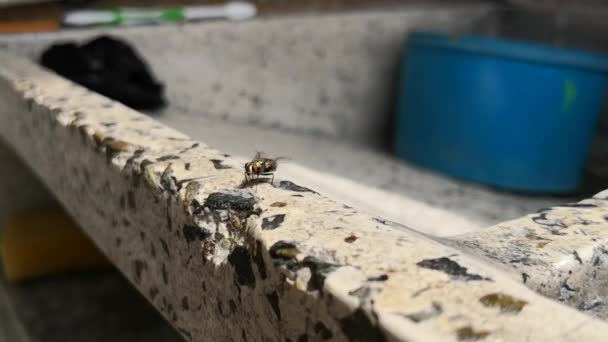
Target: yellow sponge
[[38, 242]]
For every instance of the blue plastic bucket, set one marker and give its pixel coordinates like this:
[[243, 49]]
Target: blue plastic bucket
[[516, 115]]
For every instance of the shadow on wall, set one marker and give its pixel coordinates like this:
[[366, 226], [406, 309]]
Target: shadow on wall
[[20, 187]]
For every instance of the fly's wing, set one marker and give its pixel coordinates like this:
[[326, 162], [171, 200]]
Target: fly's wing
[[258, 155]]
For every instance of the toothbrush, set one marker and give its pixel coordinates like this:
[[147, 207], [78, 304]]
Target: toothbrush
[[132, 16]]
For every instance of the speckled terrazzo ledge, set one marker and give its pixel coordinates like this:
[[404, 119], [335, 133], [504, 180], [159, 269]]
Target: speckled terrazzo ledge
[[262, 264], [561, 252]]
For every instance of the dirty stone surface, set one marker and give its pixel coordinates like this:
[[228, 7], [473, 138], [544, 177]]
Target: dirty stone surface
[[225, 262]]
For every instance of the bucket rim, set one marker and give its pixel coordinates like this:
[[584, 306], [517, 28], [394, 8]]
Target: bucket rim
[[511, 48]]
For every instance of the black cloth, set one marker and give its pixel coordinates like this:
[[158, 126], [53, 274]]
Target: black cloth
[[110, 67]]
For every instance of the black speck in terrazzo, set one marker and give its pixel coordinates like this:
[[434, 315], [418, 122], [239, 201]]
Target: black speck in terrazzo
[[139, 266], [131, 200], [195, 233], [165, 158], [185, 305], [383, 277], [218, 164], [272, 222], [153, 292], [165, 247], [258, 258], [358, 327], [543, 220], [163, 271], [187, 166], [319, 271], [223, 201], [322, 331], [240, 259], [290, 186], [273, 300], [450, 267]]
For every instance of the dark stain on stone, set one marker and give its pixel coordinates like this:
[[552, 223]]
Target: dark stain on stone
[[321, 330], [590, 306], [195, 233], [172, 312], [379, 220], [241, 261], [220, 308], [122, 202], [185, 304], [467, 333], [383, 277], [290, 186], [153, 292], [187, 166], [358, 327], [576, 205], [283, 250], [450, 267], [350, 239], [131, 200], [542, 220], [218, 164], [165, 247], [232, 305], [163, 271], [525, 277], [140, 266], [273, 299], [168, 157], [185, 333], [272, 222], [319, 270], [431, 312], [577, 257], [168, 215], [258, 258], [222, 201], [506, 303]]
